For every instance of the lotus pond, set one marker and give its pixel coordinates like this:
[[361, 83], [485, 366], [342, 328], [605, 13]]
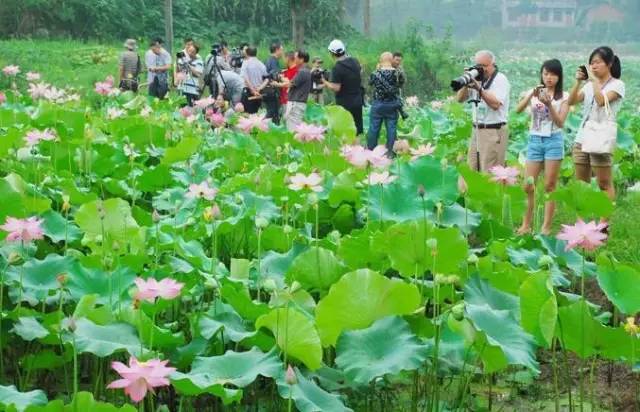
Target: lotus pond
[[152, 262]]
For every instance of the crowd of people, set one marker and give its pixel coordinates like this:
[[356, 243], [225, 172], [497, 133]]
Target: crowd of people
[[284, 92]]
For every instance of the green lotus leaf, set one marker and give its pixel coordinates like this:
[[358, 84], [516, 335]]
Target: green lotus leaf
[[155, 178], [360, 298], [186, 147], [295, 334], [410, 255], [212, 374], [104, 340], [28, 328], [315, 269], [38, 277], [12, 399], [497, 315], [32, 201], [83, 401], [143, 324], [340, 122], [386, 347], [621, 284], [308, 396], [583, 199], [111, 287], [237, 295], [539, 308], [228, 323], [118, 226], [58, 229], [365, 248]]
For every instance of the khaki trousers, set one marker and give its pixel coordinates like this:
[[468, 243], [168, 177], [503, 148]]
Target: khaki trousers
[[488, 147]]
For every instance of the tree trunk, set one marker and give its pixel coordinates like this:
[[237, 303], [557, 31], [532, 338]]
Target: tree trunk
[[168, 24], [299, 9], [367, 17]]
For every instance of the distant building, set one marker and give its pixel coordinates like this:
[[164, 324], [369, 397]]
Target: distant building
[[539, 13], [604, 13]]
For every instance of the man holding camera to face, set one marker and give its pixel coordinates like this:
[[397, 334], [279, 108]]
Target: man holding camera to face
[[189, 69], [488, 90]]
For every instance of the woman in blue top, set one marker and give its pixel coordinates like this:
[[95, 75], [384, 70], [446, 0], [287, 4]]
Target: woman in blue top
[[549, 106]]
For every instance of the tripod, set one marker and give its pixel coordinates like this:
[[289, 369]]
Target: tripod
[[474, 119]]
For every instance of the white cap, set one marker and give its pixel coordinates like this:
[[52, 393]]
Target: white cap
[[337, 47]]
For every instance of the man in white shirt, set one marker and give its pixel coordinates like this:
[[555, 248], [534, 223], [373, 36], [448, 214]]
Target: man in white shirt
[[490, 136], [158, 62]]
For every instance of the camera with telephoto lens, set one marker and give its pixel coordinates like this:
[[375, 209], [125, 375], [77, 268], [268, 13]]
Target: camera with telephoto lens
[[402, 113], [472, 73], [216, 49], [235, 58], [272, 77], [318, 74]]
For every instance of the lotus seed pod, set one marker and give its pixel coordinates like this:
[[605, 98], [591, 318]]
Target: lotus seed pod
[[313, 199], [295, 286], [458, 311], [14, 257], [261, 222], [440, 278], [334, 236], [444, 163], [155, 216], [287, 229], [269, 285], [432, 243], [473, 259]]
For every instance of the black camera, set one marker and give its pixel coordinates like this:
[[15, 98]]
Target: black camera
[[272, 77], [180, 55], [472, 73], [318, 74], [402, 113], [216, 50], [235, 58]]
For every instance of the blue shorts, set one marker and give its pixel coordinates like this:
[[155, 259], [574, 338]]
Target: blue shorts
[[541, 148]]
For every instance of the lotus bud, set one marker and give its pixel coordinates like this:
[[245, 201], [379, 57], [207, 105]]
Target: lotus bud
[[238, 199], [115, 246], [155, 216], [211, 284], [313, 199], [432, 243], [62, 279], [284, 199], [278, 149], [261, 222], [297, 206], [101, 211], [473, 259], [14, 257], [444, 163], [290, 376], [421, 191], [334, 236], [207, 214], [190, 221], [65, 203], [458, 311], [69, 324], [440, 278], [545, 260], [108, 261], [453, 279]]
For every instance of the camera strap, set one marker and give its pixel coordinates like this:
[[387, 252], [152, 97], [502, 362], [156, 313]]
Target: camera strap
[[487, 84]]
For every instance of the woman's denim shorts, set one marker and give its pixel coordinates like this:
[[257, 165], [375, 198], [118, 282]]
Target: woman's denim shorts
[[541, 148]]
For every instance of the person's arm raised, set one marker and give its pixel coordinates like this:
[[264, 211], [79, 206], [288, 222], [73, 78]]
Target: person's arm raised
[[576, 95], [524, 102]]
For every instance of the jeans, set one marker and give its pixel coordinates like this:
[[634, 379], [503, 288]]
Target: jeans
[[380, 112], [541, 148]]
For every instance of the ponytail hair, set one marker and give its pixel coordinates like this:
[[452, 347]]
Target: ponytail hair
[[607, 55]]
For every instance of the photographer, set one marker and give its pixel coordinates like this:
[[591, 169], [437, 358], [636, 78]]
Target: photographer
[[229, 86], [215, 62], [189, 69], [271, 93], [386, 103], [254, 73], [158, 62], [299, 90], [486, 87], [317, 74], [346, 83], [397, 64]]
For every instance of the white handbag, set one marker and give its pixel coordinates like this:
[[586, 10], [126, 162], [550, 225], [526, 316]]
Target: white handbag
[[599, 136]]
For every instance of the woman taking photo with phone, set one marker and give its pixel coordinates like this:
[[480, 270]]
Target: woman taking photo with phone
[[548, 105], [601, 97]]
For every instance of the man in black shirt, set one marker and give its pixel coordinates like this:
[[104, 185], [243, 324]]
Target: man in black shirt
[[299, 90], [346, 82], [271, 93]]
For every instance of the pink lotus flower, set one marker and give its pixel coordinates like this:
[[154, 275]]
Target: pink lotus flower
[[238, 108], [401, 146], [217, 119], [54, 95], [186, 111], [504, 175], [140, 377], [204, 103], [412, 101], [253, 122], [11, 70], [114, 113], [290, 376], [422, 150], [104, 88], [360, 157], [588, 236], [151, 289], [24, 230], [312, 182], [202, 190], [32, 76], [38, 90], [305, 132], [382, 178], [33, 137], [3, 98]]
